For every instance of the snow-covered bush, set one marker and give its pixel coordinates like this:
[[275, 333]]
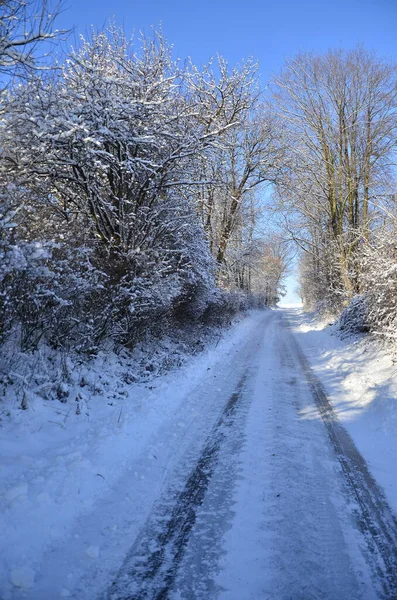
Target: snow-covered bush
[[15, 255], [52, 294], [110, 147], [102, 238], [354, 318], [223, 304], [375, 309], [379, 281]]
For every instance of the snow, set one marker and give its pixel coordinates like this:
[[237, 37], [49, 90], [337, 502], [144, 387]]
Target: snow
[[77, 489], [23, 577], [70, 483], [290, 536], [360, 377]]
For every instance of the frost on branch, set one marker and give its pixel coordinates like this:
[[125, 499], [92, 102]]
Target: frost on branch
[[132, 192]]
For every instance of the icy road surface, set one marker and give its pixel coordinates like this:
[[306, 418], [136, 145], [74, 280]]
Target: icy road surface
[[250, 489]]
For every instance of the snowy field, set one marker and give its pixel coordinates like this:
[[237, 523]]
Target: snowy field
[[90, 496]]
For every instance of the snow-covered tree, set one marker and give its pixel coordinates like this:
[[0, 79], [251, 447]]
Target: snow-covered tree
[[340, 112], [24, 26], [246, 157], [111, 145]]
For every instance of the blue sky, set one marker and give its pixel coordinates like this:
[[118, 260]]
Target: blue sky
[[268, 30], [271, 31]]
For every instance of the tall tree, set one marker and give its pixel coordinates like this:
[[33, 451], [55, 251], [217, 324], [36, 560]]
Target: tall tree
[[340, 109], [247, 155]]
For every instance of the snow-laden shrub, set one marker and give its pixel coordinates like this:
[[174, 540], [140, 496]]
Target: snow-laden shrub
[[223, 304], [61, 285], [114, 143], [107, 153], [15, 256], [375, 309], [354, 318], [54, 296], [379, 281]]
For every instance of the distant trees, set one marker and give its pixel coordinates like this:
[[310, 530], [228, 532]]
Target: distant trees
[[249, 155], [340, 113]]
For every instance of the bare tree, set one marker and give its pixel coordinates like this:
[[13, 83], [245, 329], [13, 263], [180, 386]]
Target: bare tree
[[24, 27], [247, 156], [340, 109]]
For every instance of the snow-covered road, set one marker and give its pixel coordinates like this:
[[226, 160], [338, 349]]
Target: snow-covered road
[[279, 504], [248, 489]]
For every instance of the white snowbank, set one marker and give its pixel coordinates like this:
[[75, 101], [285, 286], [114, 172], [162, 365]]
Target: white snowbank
[[361, 381], [98, 447]]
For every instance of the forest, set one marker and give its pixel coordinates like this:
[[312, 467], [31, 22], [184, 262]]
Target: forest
[[139, 191]]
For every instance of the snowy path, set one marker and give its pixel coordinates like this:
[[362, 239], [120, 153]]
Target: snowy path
[[277, 506], [246, 488]]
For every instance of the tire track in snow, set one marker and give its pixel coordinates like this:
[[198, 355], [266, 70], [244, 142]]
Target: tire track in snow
[[157, 559], [312, 549], [151, 568], [376, 520]]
